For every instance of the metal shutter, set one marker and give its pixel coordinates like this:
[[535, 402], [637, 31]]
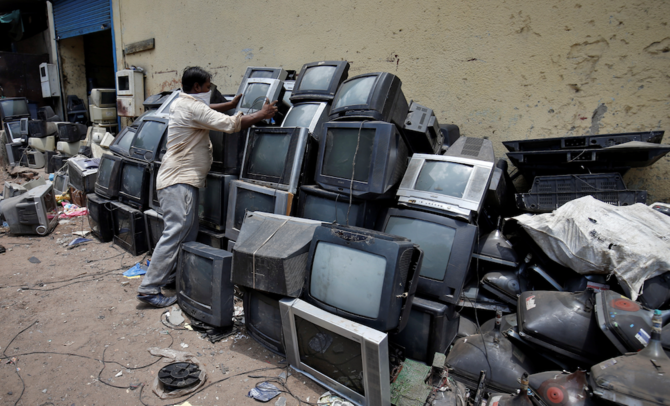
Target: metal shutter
[[78, 17]]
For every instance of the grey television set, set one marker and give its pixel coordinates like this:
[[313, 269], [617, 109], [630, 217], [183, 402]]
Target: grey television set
[[348, 358], [255, 90], [310, 115]]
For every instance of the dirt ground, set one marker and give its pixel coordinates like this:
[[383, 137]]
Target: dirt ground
[[61, 316]]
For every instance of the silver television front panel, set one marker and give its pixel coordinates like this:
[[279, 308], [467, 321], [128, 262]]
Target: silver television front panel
[[296, 165], [273, 93], [319, 118], [466, 206], [283, 203], [374, 352]]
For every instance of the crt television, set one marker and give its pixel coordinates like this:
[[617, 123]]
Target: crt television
[[149, 140], [365, 159], [204, 290], [431, 328], [13, 132], [123, 140], [100, 217], [371, 96], [14, 108], [365, 276], [263, 319], [61, 182], [71, 132], [134, 189], [348, 358], [319, 80], [154, 225], [447, 245], [103, 98], [446, 184], [227, 151], [33, 212], [214, 200], [277, 157], [422, 131], [288, 91], [262, 72], [109, 176], [310, 115], [83, 173], [153, 201], [255, 91], [331, 207], [129, 228], [246, 197]]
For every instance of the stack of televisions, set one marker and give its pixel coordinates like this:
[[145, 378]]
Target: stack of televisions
[[350, 228]]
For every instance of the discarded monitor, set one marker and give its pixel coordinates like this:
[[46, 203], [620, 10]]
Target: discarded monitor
[[585, 141], [331, 207], [656, 292], [214, 200], [154, 225], [149, 143], [493, 247], [204, 289], [347, 358], [504, 285], [108, 181], [560, 388], [454, 184], [577, 336], [227, 151], [271, 253], [365, 276], [310, 115], [71, 132], [262, 320], [122, 142], [447, 245], [519, 399], [31, 213], [319, 81], [213, 238], [134, 189], [422, 131], [82, 173], [100, 217], [129, 228]]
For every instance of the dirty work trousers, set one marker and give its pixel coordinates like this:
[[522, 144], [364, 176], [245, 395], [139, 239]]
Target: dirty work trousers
[[180, 214]]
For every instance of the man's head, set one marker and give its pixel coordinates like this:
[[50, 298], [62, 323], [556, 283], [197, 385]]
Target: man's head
[[195, 80]]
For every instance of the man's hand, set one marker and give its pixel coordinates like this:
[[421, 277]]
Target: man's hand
[[236, 101], [269, 109]]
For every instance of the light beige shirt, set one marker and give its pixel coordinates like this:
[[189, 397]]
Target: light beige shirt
[[189, 151]]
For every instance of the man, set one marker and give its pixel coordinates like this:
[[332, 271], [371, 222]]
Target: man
[[183, 171]]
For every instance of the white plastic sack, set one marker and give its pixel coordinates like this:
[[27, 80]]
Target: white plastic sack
[[593, 237]]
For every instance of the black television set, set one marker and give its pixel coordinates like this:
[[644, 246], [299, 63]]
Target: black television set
[[319, 204], [32, 213], [431, 328], [129, 228], [123, 140], [213, 238], [372, 96], [154, 225], [262, 319], [150, 139], [204, 290], [447, 245], [422, 131], [214, 200], [40, 129], [108, 181], [246, 197], [319, 80], [278, 157], [14, 108], [227, 151], [13, 133], [310, 115], [100, 217], [71, 132], [61, 182], [362, 275], [82, 173], [373, 151], [134, 189], [584, 141]]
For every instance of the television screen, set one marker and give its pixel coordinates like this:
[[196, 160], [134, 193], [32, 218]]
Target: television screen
[[320, 208], [12, 108], [348, 279], [123, 140], [342, 145], [263, 320], [334, 355], [60, 183], [249, 200], [147, 140], [434, 239], [254, 96], [267, 74], [131, 180], [13, 131], [100, 217], [268, 153], [214, 200], [445, 178], [301, 115], [317, 78], [123, 226], [105, 171], [355, 92], [197, 283], [129, 228]]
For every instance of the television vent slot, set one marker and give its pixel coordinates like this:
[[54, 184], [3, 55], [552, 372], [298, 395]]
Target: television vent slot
[[478, 183], [561, 186], [561, 200], [404, 263], [610, 198], [546, 200], [545, 188], [411, 173], [472, 146], [608, 185]]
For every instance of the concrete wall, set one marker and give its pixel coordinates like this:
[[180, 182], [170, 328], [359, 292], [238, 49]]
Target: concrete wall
[[504, 70], [73, 67]]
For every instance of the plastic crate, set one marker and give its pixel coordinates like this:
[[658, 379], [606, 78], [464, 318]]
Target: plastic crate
[[584, 141], [548, 202], [578, 183]]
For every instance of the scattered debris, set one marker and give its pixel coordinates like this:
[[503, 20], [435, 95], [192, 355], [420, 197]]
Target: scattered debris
[[281, 401], [34, 260], [135, 271], [119, 374], [175, 317], [264, 391], [328, 399]]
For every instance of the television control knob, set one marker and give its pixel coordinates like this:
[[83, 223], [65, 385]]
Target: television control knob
[[41, 230]]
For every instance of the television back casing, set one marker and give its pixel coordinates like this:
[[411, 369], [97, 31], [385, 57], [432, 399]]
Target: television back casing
[[35, 159], [71, 132], [220, 313], [403, 264], [297, 169], [227, 151], [340, 75], [283, 203], [466, 207], [135, 242], [363, 213], [111, 190], [213, 213], [447, 290], [422, 131], [386, 101], [387, 164], [154, 224], [100, 217], [272, 307], [374, 352], [140, 202], [31, 213], [213, 238], [271, 253]]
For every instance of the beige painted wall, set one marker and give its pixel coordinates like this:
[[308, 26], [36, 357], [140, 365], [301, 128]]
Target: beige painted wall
[[505, 70]]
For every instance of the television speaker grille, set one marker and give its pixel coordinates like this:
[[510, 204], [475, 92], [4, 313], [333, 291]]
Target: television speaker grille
[[404, 263], [472, 146]]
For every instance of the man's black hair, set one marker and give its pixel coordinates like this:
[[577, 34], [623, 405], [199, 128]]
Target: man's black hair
[[193, 75]]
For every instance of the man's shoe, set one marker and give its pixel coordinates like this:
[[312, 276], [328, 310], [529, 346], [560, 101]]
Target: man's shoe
[[158, 300]]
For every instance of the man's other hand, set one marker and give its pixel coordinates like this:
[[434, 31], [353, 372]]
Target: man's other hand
[[236, 100], [269, 109]]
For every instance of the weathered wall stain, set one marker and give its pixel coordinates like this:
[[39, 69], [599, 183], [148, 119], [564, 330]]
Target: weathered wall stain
[[506, 70]]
